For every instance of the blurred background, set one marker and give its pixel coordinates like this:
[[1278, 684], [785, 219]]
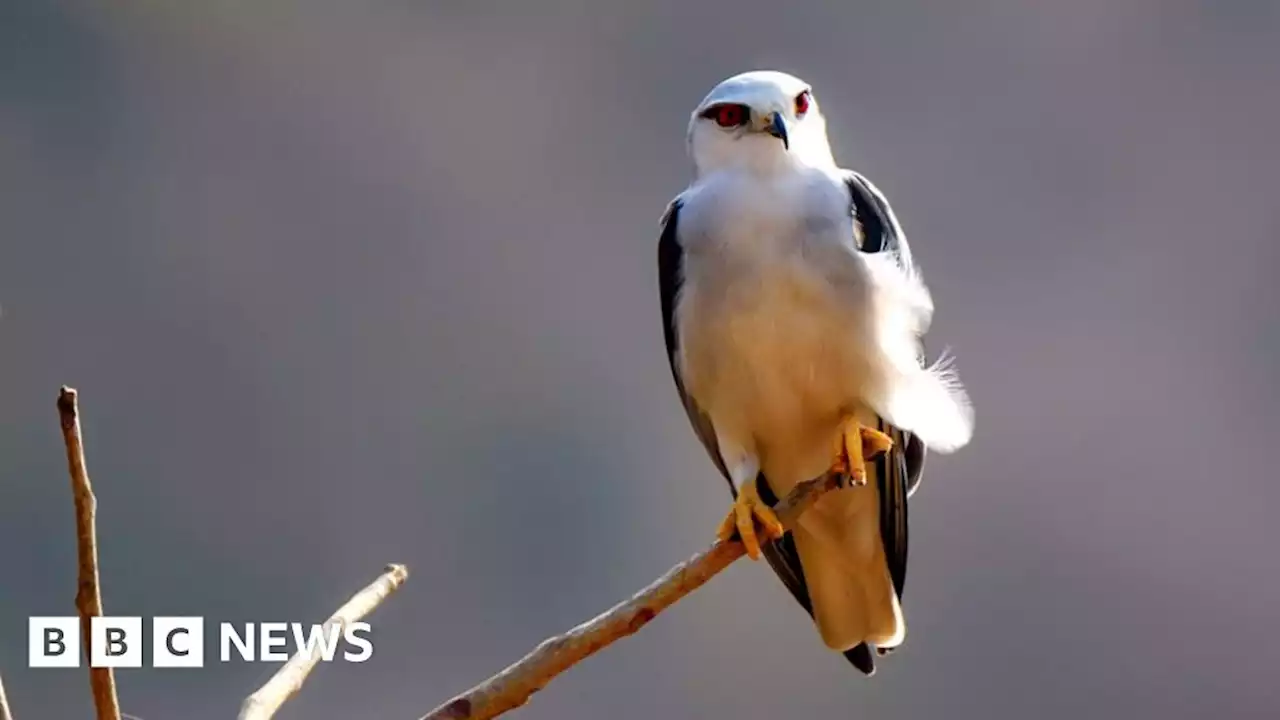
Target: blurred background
[[344, 284]]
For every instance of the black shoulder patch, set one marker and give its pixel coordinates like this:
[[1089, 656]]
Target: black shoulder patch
[[871, 212]]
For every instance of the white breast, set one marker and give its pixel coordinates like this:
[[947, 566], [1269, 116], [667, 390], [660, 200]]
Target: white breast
[[774, 317]]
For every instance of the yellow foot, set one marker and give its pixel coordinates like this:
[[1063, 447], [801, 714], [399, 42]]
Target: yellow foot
[[747, 512], [855, 445]]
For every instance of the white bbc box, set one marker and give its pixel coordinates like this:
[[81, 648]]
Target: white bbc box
[[53, 642]]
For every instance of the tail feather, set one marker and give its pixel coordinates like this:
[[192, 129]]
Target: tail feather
[[860, 657], [854, 601]]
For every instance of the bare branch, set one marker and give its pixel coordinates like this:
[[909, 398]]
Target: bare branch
[[512, 687], [5, 712], [88, 592], [509, 689], [288, 680]]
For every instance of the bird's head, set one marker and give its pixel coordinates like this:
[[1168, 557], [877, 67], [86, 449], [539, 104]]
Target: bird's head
[[763, 121]]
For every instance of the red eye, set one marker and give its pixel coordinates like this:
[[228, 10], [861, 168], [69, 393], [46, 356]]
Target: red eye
[[728, 116], [802, 103]]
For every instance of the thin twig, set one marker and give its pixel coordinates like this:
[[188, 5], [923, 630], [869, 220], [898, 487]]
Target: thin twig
[[512, 687], [88, 593], [5, 712], [288, 680]]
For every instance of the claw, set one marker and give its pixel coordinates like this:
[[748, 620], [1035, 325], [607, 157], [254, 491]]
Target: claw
[[855, 445], [748, 513]]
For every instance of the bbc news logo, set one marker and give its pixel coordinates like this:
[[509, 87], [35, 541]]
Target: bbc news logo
[[177, 642]]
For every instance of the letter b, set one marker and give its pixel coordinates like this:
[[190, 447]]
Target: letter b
[[115, 642], [53, 642]]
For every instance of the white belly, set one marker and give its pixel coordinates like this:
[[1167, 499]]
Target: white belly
[[777, 357]]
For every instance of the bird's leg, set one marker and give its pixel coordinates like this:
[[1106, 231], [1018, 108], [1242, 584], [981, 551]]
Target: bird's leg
[[748, 513], [855, 445]]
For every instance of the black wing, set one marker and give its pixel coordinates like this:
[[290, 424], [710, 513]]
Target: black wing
[[881, 232], [897, 472], [670, 280]]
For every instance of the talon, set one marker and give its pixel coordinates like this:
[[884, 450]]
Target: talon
[[855, 445], [750, 518], [874, 442]]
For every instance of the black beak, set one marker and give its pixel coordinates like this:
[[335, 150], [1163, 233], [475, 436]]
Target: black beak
[[778, 129]]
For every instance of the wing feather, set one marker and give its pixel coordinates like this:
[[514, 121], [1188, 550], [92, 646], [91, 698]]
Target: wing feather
[[899, 471], [670, 281], [880, 231]]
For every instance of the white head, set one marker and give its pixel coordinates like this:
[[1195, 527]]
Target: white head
[[762, 121]]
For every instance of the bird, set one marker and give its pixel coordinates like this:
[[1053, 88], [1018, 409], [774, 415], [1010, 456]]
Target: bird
[[794, 317]]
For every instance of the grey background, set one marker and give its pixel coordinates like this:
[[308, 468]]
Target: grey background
[[350, 283]]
